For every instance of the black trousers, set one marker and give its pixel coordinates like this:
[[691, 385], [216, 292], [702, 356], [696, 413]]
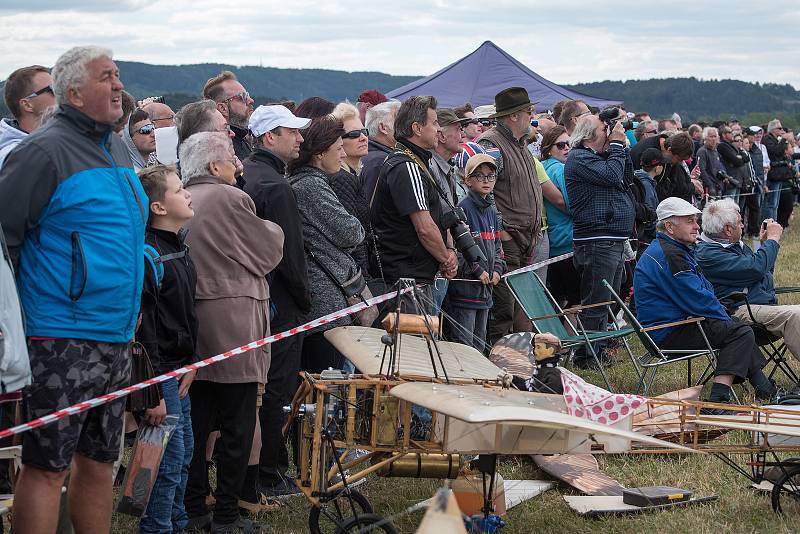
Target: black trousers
[[318, 354], [232, 409], [282, 381], [738, 354]]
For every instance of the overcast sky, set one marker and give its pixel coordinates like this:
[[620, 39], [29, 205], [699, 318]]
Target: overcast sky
[[564, 41]]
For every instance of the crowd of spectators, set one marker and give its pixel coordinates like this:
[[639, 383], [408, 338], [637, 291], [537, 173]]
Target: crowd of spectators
[[274, 215]]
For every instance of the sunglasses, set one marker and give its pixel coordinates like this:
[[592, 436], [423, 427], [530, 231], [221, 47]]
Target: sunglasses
[[487, 123], [43, 90], [244, 96], [561, 145], [147, 129], [484, 177], [167, 118], [355, 134], [652, 132], [472, 121]]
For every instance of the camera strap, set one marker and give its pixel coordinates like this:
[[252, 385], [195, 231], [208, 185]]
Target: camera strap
[[407, 152]]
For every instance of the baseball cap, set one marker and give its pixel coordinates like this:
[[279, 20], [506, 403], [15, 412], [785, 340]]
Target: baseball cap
[[372, 96], [651, 157], [484, 112], [755, 129], [447, 117], [477, 160], [674, 207], [470, 149], [267, 118]]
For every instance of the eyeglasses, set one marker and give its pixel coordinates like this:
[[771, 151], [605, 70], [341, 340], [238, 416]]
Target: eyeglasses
[[484, 177], [167, 118], [147, 129], [472, 121], [355, 134], [43, 90], [651, 132], [244, 96], [561, 145], [486, 123]]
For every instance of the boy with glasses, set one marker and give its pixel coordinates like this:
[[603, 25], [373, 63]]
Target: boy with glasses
[[471, 299]]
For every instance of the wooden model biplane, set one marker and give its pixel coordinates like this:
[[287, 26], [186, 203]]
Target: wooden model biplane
[[417, 408]]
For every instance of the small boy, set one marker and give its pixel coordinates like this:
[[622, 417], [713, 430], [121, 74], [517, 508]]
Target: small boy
[[168, 332], [644, 189], [470, 301]]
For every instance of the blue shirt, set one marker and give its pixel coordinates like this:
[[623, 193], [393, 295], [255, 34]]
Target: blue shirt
[[559, 229]]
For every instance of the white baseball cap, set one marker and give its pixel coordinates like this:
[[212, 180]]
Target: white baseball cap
[[674, 207], [483, 112], [267, 118]]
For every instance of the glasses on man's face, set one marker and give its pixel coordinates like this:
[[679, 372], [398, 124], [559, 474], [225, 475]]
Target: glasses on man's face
[[167, 118], [244, 96], [355, 134], [651, 132], [43, 90], [484, 177], [487, 123], [561, 145], [472, 121], [147, 129]]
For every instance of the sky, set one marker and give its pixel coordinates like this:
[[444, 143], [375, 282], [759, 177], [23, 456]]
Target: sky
[[565, 41]]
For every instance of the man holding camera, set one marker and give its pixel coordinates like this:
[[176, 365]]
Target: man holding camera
[[408, 211], [598, 174], [517, 195], [712, 171]]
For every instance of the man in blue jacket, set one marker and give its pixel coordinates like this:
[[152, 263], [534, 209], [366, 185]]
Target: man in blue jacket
[[732, 267], [669, 286], [75, 229], [598, 175]]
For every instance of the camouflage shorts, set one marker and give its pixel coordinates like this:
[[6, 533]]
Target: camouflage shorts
[[65, 372]]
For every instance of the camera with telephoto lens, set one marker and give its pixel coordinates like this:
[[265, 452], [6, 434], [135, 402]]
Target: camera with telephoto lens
[[610, 117], [724, 177], [455, 221]]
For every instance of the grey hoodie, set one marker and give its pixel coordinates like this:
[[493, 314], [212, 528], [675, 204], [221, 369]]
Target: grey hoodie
[[10, 137], [138, 161]]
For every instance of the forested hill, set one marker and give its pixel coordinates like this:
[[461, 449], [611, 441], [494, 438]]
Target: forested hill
[[694, 99], [267, 83]]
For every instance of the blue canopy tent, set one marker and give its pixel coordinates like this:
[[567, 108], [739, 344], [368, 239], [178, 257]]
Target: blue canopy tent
[[482, 74]]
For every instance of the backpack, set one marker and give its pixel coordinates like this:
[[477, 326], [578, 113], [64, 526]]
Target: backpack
[[156, 260]]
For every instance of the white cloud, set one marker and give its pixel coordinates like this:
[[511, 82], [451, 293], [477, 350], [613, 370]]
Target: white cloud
[[567, 42]]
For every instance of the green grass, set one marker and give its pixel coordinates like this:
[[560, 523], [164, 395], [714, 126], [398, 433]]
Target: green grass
[[739, 509]]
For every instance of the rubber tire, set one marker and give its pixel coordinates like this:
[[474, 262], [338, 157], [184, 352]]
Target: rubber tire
[[358, 499], [777, 489], [365, 520]]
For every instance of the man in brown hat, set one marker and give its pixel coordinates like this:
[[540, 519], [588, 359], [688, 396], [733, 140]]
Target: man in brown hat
[[517, 195]]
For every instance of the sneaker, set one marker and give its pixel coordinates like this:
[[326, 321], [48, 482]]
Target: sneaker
[[264, 504], [283, 489], [241, 525], [200, 522]]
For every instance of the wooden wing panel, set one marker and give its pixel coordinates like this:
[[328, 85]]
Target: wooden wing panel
[[363, 347], [510, 408]]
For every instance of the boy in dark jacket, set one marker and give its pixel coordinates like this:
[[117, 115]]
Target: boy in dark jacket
[[470, 301], [651, 165], [168, 332]]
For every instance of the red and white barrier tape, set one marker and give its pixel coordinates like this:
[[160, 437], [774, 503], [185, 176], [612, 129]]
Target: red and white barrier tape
[[104, 399], [539, 264]]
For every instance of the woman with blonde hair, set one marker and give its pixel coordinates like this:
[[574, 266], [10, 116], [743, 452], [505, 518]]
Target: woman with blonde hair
[[346, 183]]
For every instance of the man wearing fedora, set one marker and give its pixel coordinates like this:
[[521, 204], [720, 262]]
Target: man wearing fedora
[[517, 195]]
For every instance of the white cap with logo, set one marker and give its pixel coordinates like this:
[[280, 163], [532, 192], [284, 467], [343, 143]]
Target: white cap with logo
[[674, 207], [267, 118]]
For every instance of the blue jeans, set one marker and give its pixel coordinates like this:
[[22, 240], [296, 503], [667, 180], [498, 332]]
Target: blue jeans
[[769, 206], [472, 327], [438, 292], [165, 511]]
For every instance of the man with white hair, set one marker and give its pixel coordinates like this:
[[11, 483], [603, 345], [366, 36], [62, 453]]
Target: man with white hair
[[380, 125], [669, 287], [599, 173], [732, 267], [775, 142], [709, 162], [79, 250]]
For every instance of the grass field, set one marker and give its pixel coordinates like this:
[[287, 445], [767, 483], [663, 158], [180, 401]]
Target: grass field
[[738, 509]]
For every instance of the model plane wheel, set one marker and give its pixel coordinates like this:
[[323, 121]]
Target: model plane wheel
[[368, 522], [332, 516], [786, 492]]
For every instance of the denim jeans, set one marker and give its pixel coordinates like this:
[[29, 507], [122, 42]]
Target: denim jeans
[[769, 206], [597, 260], [165, 511], [438, 292], [471, 329]]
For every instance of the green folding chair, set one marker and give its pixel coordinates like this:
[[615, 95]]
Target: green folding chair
[[546, 316], [656, 357]]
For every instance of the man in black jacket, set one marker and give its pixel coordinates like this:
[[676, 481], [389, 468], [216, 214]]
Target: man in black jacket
[[380, 124], [775, 142], [278, 138]]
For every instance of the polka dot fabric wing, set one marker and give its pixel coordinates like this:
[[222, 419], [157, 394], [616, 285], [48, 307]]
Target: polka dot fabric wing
[[595, 403]]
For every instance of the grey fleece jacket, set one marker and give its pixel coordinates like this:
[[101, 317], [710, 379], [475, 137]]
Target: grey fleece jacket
[[10, 137], [331, 233]]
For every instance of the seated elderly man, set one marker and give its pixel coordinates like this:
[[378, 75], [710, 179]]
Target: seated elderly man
[[732, 267], [669, 287]]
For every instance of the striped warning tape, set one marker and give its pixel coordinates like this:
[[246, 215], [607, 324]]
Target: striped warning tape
[[540, 264], [104, 399]]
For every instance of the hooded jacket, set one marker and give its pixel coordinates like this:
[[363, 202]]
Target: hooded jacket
[[482, 220], [10, 136], [76, 229], [139, 162], [644, 191]]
